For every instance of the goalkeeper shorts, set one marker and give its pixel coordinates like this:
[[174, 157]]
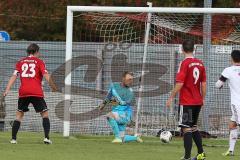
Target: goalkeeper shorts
[[122, 117]]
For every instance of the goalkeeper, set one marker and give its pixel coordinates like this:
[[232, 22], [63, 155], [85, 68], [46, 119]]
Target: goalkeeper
[[121, 97]]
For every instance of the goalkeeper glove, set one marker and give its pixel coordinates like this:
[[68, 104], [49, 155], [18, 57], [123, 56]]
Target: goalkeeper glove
[[101, 106]]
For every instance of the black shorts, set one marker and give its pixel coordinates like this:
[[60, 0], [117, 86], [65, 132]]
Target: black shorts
[[188, 115], [38, 103]]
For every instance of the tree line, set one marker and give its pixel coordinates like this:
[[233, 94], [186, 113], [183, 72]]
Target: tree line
[[45, 20]]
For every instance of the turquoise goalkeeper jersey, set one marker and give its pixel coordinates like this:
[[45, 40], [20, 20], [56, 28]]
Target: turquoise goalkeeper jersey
[[124, 95]]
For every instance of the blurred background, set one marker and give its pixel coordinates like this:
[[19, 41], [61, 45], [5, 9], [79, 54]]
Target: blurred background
[[45, 20]]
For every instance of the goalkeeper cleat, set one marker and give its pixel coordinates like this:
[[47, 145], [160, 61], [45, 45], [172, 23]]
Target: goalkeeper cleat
[[13, 141], [117, 140], [139, 139], [201, 156], [47, 141], [228, 153]]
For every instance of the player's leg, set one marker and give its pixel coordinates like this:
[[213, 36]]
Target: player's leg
[[16, 126], [123, 121], [184, 122], [22, 107], [131, 138], [197, 138], [46, 126], [40, 106], [111, 118], [233, 131], [232, 138], [187, 139], [198, 141], [126, 138]]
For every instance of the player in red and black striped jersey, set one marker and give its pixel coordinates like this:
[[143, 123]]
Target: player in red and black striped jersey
[[191, 83], [31, 71]]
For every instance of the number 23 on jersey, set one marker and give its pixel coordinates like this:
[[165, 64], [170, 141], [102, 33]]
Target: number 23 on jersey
[[28, 70]]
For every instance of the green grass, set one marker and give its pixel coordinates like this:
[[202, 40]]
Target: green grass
[[30, 147]]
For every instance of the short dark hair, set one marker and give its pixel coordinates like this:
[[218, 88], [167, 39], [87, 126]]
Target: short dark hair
[[127, 73], [235, 56], [32, 48], [188, 46]]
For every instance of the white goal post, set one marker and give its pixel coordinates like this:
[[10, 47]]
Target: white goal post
[[69, 37]]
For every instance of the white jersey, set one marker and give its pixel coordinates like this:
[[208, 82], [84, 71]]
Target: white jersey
[[233, 76]]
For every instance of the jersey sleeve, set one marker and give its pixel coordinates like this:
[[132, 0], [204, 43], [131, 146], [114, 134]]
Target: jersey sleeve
[[181, 75], [226, 73], [109, 94], [17, 69], [43, 69], [116, 95]]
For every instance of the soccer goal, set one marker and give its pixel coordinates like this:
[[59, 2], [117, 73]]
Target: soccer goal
[[102, 42]]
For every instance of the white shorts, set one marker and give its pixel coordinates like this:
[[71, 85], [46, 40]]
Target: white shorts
[[235, 113]]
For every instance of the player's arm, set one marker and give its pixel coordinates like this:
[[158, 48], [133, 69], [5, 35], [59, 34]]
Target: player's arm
[[47, 76], [50, 82], [9, 85], [12, 79], [106, 100], [174, 92], [223, 78], [112, 98], [219, 84], [118, 98], [204, 90], [108, 97], [204, 85], [180, 79]]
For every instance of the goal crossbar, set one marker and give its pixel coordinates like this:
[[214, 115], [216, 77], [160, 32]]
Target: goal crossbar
[[153, 9]]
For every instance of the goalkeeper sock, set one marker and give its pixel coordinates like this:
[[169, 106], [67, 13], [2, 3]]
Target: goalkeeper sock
[[198, 140], [113, 123], [233, 139], [15, 128], [187, 137], [128, 138], [46, 127]]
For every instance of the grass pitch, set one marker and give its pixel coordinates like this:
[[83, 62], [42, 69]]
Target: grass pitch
[[30, 146]]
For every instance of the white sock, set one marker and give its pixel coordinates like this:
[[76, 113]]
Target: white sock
[[233, 139]]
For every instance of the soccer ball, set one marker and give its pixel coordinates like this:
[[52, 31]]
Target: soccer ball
[[166, 136]]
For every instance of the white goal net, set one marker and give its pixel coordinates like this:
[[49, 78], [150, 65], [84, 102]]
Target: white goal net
[[113, 42]]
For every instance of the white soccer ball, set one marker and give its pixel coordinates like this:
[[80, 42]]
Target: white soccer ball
[[166, 136]]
